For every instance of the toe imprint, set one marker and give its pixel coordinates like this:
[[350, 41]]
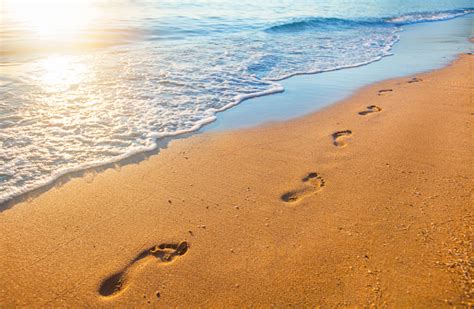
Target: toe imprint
[[312, 183], [384, 91], [371, 109]]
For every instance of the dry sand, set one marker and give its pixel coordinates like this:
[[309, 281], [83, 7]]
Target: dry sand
[[288, 213]]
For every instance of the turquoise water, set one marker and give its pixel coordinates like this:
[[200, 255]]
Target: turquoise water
[[422, 47], [84, 83]]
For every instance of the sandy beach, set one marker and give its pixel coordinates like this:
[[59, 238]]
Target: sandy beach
[[365, 203]]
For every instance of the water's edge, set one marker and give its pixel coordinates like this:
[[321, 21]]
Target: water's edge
[[422, 48], [202, 127]]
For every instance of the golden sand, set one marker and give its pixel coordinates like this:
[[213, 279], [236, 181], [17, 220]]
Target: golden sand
[[367, 202]]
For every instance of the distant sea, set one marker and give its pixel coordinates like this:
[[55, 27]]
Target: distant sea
[[84, 83]]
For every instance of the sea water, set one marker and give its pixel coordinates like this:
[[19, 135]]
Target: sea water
[[84, 83]]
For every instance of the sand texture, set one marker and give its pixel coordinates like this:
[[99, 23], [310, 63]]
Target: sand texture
[[367, 202]]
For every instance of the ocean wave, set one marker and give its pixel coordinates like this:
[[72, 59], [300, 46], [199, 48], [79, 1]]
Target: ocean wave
[[310, 23], [423, 17], [320, 23]]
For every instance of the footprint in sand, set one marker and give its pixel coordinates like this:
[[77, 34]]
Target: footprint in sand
[[371, 109], [384, 91], [312, 183], [339, 138], [415, 80], [164, 253]]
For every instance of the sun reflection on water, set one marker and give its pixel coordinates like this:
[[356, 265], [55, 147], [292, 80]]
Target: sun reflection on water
[[58, 73]]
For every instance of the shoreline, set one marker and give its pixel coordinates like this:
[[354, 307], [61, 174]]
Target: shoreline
[[347, 206], [306, 94], [138, 155]]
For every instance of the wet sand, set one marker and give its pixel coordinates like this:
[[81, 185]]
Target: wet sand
[[367, 202]]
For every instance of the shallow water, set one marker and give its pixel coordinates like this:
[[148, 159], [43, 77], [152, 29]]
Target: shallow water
[[89, 82], [422, 47]]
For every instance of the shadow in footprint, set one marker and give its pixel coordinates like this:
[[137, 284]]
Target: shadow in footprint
[[312, 183], [339, 137], [384, 91], [371, 109], [164, 253]]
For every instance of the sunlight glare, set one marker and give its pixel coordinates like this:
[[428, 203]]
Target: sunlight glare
[[58, 73], [51, 18]]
